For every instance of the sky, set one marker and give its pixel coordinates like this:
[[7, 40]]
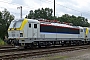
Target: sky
[[71, 7]]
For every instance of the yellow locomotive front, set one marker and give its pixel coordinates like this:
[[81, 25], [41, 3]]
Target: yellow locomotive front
[[15, 31]]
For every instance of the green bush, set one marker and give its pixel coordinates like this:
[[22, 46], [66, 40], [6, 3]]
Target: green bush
[[2, 42]]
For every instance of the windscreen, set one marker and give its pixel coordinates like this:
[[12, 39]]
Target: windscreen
[[11, 25], [15, 24]]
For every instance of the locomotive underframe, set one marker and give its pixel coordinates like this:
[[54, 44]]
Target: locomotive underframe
[[47, 42]]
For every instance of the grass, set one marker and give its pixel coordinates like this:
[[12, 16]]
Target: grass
[[57, 57], [2, 42]]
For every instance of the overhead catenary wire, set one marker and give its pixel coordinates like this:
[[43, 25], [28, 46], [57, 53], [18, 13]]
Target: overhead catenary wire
[[48, 1], [40, 4], [28, 7], [10, 11], [16, 4]]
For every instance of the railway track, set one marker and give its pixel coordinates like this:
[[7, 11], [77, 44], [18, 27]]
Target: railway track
[[5, 47], [19, 54]]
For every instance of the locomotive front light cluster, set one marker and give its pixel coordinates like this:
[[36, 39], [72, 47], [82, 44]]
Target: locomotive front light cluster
[[21, 34]]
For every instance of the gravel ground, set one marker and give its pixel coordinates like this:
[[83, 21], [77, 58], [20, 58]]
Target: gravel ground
[[83, 54]]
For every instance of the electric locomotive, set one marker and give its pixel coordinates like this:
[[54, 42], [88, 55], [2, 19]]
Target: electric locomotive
[[32, 32]]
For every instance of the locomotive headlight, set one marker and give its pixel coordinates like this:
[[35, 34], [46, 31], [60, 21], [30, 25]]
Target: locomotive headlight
[[21, 34]]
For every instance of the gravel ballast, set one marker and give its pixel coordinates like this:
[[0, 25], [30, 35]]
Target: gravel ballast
[[83, 54]]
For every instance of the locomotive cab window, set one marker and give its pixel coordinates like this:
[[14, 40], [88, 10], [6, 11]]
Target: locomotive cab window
[[81, 30], [29, 25], [35, 25]]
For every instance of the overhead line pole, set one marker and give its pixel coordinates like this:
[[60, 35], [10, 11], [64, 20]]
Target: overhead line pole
[[54, 9], [20, 10], [54, 18]]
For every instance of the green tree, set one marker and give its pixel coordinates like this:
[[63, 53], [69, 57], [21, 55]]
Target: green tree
[[30, 15], [41, 13], [47, 14], [5, 19], [76, 21]]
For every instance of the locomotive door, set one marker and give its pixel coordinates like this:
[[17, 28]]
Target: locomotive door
[[35, 30]]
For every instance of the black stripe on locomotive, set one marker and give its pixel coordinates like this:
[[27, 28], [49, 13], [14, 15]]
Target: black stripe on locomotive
[[58, 29]]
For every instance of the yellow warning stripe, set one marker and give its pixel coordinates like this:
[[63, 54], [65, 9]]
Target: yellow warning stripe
[[87, 31]]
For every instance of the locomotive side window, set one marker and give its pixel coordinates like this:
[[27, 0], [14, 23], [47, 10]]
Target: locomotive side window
[[81, 30], [35, 25], [53, 29], [45, 28], [29, 25]]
